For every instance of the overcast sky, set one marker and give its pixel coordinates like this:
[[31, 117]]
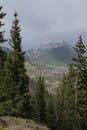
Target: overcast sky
[[47, 20]]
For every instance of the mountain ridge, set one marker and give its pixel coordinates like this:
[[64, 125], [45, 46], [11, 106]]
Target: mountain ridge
[[52, 53]]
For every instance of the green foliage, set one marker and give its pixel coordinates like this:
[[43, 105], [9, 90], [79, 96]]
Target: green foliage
[[24, 106], [41, 99], [6, 107], [74, 90], [3, 55], [35, 112], [1, 128], [71, 102], [80, 64], [51, 113], [68, 99], [2, 15], [16, 81]]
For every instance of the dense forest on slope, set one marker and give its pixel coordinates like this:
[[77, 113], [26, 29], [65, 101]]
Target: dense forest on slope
[[64, 110]]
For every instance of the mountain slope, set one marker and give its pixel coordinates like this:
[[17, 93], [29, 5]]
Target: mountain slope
[[57, 53]]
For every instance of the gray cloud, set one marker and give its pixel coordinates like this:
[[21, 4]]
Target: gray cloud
[[48, 20]]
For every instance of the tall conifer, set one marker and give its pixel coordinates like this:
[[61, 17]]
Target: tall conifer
[[16, 79], [3, 55], [80, 65], [75, 92], [41, 99], [2, 39], [20, 78]]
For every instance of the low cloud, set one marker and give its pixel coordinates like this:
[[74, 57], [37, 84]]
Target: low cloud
[[48, 20]]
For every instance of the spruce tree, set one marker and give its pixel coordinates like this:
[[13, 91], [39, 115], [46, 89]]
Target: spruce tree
[[20, 78], [2, 15], [16, 79], [68, 99], [2, 39], [51, 113], [41, 99], [74, 87], [3, 54], [80, 65]]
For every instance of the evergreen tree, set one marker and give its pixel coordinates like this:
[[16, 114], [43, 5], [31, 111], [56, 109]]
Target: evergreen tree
[[8, 79], [74, 87], [2, 15], [80, 65], [35, 112], [51, 113], [20, 77], [16, 79], [68, 99], [41, 99], [2, 39], [3, 55]]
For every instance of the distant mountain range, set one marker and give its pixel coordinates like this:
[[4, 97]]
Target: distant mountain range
[[55, 53]]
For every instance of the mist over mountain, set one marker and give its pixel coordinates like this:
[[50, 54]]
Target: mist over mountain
[[54, 53]]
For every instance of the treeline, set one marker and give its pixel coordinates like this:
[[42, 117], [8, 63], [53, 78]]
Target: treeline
[[14, 93], [15, 98], [67, 110], [72, 112]]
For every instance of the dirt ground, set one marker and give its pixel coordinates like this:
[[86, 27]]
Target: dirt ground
[[17, 127], [14, 123], [10, 125]]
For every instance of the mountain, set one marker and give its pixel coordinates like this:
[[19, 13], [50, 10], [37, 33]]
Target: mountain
[[55, 53]]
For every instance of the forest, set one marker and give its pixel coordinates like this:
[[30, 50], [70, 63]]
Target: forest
[[67, 110]]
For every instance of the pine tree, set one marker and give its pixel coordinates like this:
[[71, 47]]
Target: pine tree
[[80, 65], [68, 92], [2, 15], [8, 79], [51, 113], [3, 54], [41, 99], [20, 77], [16, 79], [35, 112], [2, 39], [74, 87]]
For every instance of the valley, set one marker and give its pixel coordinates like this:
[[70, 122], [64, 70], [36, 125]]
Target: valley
[[52, 74], [51, 59]]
